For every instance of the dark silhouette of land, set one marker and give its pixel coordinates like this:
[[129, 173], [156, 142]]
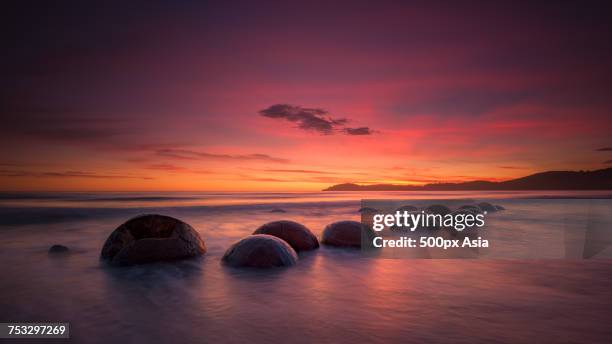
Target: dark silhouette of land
[[551, 180]]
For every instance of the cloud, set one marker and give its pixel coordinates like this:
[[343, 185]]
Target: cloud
[[358, 131], [312, 119], [67, 174], [165, 167], [608, 162], [604, 149], [512, 167], [175, 169], [185, 154]]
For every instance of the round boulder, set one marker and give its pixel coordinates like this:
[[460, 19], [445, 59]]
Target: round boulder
[[472, 208], [152, 238], [278, 210], [260, 251], [343, 234], [408, 208], [486, 206], [58, 250], [295, 234], [438, 209]]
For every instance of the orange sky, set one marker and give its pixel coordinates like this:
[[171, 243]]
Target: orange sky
[[202, 97]]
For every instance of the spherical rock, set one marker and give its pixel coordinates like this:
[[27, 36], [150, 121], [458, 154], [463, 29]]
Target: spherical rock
[[471, 207], [58, 249], [438, 209], [466, 211], [297, 235], [486, 206], [152, 238], [260, 251], [408, 208], [367, 210], [344, 234]]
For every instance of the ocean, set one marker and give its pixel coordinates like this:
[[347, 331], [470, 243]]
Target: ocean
[[331, 296]]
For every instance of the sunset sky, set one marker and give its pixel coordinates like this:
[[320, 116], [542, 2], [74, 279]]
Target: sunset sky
[[284, 96]]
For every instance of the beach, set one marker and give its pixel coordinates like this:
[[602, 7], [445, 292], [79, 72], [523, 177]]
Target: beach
[[331, 295]]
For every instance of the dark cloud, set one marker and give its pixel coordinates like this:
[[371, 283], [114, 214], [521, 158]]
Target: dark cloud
[[512, 167], [358, 131], [608, 162], [67, 174], [314, 119], [185, 154], [604, 149]]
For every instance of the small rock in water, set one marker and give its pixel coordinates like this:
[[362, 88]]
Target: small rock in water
[[367, 210], [152, 238], [58, 249], [438, 209], [344, 234], [408, 208], [260, 251], [499, 207], [471, 207], [486, 206], [297, 235], [277, 210]]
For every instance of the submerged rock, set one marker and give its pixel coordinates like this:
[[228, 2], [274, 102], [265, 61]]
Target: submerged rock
[[278, 210], [367, 210], [486, 206], [408, 208], [466, 211], [438, 209], [58, 249], [260, 251], [297, 235], [471, 207], [152, 238], [344, 234], [499, 207]]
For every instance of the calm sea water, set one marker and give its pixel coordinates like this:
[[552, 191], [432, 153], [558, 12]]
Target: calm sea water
[[332, 295]]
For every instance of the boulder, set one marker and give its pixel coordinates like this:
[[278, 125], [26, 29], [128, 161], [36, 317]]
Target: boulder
[[499, 207], [58, 250], [367, 210], [408, 208], [486, 206], [277, 210], [297, 235], [260, 251], [438, 209], [466, 211], [152, 238], [471, 207], [344, 234]]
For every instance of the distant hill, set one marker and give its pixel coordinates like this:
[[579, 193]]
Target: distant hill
[[551, 180]]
